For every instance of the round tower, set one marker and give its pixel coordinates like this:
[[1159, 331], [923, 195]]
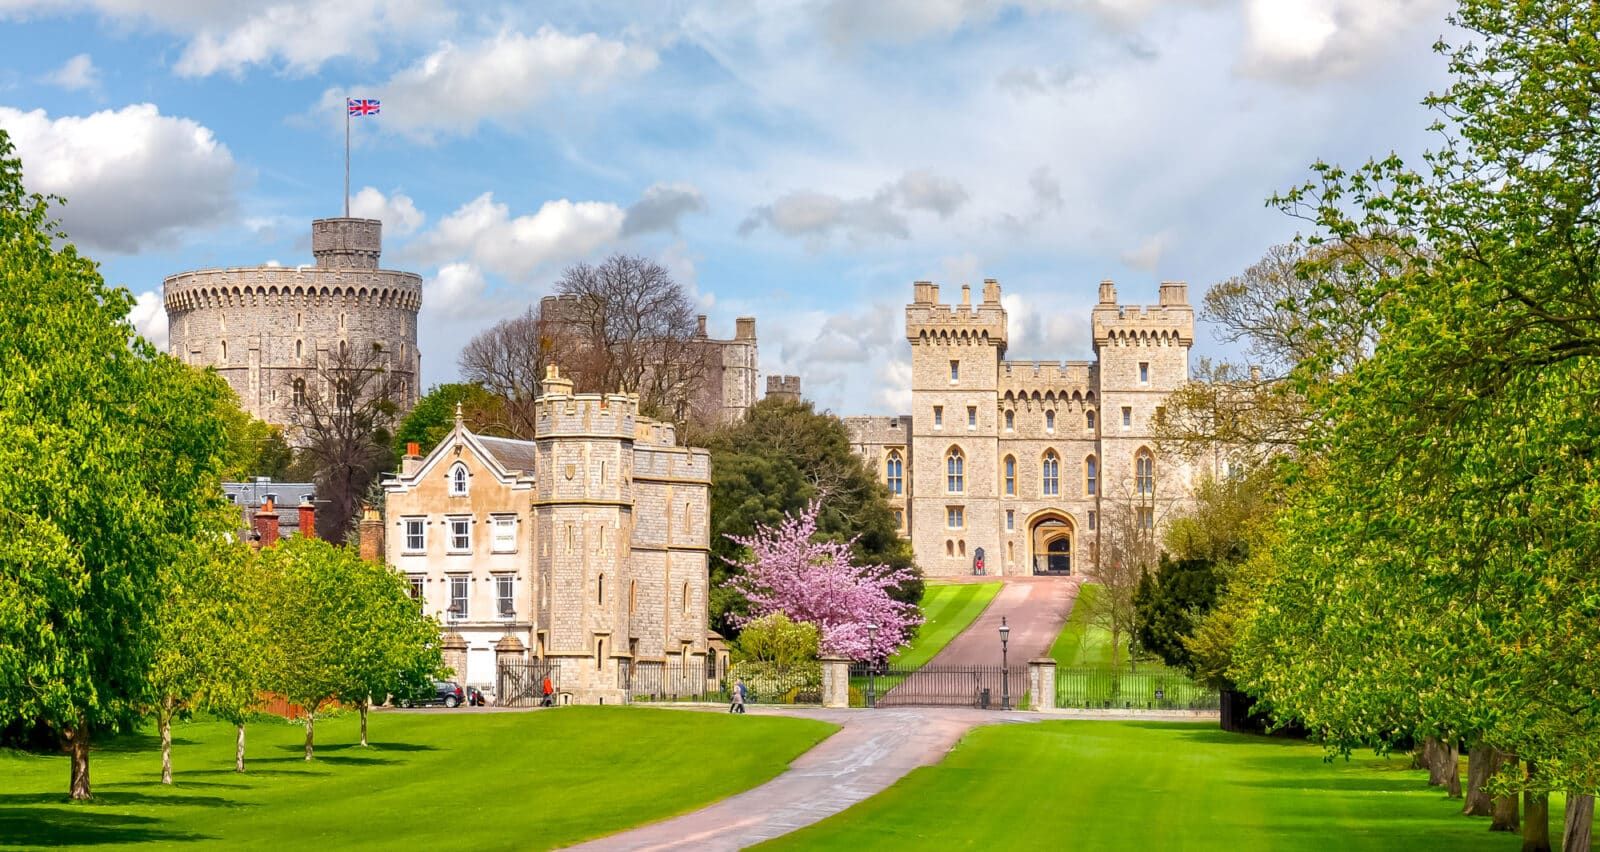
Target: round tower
[[262, 327]]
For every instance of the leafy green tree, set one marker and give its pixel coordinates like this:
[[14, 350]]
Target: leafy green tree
[[391, 645], [773, 464], [1167, 604], [196, 630], [777, 639], [231, 689], [109, 460], [435, 415], [254, 447]]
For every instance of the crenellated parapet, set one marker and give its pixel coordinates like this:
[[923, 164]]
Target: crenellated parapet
[[291, 287], [929, 321], [1170, 322]]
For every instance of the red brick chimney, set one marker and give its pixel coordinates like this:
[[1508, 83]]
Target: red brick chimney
[[266, 524], [308, 518], [371, 534]]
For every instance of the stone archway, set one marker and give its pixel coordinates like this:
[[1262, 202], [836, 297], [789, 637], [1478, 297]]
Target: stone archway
[[1051, 539]]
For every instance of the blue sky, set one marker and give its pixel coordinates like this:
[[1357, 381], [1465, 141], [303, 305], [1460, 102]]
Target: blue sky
[[802, 161]]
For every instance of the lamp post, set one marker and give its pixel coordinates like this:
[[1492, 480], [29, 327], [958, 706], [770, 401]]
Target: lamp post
[[872, 645], [1005, 671]]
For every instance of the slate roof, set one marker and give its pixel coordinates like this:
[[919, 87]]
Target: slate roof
[[512, 454]]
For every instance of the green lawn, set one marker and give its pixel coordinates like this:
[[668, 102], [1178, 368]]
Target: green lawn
[[1131, 785], [1082, 643], [438, 779], [947, 609], [1085, 678]]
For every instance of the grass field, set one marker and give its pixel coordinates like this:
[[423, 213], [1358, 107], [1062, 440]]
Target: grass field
[[1082, 643], [453, 779], [947, 609], [1129, 785], [1085, 678]]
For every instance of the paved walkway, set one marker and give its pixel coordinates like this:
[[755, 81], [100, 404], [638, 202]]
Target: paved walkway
[[873, 749], [1035, 608]]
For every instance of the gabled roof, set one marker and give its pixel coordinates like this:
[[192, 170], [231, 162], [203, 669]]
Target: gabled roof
[[514, 455]]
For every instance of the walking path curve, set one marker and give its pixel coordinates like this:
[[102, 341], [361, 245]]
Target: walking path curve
[[1035, 608]]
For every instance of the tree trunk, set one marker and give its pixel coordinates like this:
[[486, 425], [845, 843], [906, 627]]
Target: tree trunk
[[164, 721], [311, 720], [1430, 759], [238, 750], [1480, 763], [78, 745], [1504, 816], [1580, 823], [364, 704], [1536, 817], [1450, 768]]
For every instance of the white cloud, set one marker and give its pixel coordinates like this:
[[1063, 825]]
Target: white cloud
[[302, 36], [816, 216], [660, 208], [399, 214], [77, 74], [1314, 39], [520, 247], [457, 87], [455, 291], [149, 318], [131, 177], [1147, 254]]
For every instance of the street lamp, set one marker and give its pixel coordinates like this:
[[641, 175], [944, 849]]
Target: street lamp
[[1005, 671], [872, 645]]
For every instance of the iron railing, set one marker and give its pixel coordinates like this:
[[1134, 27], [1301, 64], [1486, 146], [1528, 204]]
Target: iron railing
[[1143, 689], [522, 684], [694, 679], [983, 687]]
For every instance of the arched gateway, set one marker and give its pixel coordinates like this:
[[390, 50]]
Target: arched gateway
[[1051, 535]]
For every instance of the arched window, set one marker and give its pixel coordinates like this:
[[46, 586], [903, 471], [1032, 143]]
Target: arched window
[[894, 473], [299, 349], [1049, 421], [1144, 473], [1011, 476], [949, 547], [1050, 474], [599, 653], [600, 589], [341, 394], [1011, 420], [686, 598], [633, 596], [1088, 420], [342, 349], [458, 485], [955, 471], [224, 351], [1091, 476], [299, 392], [961, 547]]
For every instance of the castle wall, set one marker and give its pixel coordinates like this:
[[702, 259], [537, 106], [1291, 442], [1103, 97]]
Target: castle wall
[[263, 326]]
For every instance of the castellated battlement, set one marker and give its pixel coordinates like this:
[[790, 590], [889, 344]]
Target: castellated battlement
[[560, 412], [1169, 322], [929, 320], [347, 243], [266, 327], [1058, 379]]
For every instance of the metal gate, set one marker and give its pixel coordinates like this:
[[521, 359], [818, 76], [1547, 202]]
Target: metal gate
[[982, 687], [522, 684]]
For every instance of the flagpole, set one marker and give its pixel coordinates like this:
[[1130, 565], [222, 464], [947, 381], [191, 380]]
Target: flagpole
[[347, 158]]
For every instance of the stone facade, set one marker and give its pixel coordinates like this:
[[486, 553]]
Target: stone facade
[[263, 326], [587, 547], [1019, 461]]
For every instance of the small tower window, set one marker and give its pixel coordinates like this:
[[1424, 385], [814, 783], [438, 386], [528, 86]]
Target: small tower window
[[1091, 476], [1049, 421], [955, 371], [1127, 417], [1144, 372], [299, 349], [1011, 519], [299, 392], [1050, 472], [600, 589], [972, 417], [1088, 420], [458, 480], [686, 598], [894, 473], [1011, 420], [1144, 478], [224, 350], [1011, 476], [938, 417], [955, 465]]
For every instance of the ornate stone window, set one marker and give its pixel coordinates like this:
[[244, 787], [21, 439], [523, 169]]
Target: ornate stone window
[[1144, 474], [1091, 476], [299, 393], [955, 471], [458, 480], [894, 473], [1050, 474], [1011, 476]]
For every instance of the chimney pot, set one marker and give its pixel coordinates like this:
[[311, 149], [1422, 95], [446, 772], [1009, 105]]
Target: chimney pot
[[413, 449]]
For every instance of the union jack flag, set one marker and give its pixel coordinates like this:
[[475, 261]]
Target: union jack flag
[[361, 106]]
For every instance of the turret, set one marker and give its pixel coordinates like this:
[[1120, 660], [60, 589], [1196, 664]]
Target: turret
[[347, 243]]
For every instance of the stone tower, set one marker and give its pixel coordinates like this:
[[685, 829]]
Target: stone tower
[[261, 326], [955, 357]]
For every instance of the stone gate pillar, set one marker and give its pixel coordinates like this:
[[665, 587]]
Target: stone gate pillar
[[454, 647], [835, 682], [1042, 683], [509, 651]]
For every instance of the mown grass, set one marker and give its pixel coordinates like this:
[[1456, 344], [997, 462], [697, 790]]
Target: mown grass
[[1111, 785], [1085, 676], [947, 609], [445, 779]]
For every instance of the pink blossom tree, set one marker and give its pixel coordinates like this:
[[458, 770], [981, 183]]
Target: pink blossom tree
[[789, 570]]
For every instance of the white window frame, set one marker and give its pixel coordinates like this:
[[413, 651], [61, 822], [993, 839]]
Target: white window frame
[[415, 584], [460, 485], [955, 370], [1050, 421], [466, 598], [1011, 519], [499, 543], [505, 590], [450, 527], [972, 417], [421, 535], [955, 518]]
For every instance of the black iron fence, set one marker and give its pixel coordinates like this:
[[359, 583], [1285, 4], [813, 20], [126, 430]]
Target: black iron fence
[[983, 687], [1144, 689], [522, 684], [693, 679]]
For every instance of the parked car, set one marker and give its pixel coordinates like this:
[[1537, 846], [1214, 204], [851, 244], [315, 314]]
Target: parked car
[[444, 692]]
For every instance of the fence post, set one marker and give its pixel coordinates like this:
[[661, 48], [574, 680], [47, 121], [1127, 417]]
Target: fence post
[[1042, 683], [835, 682]]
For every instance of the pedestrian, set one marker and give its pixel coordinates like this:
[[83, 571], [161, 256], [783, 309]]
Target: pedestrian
[[549, 691], [738, 697]]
